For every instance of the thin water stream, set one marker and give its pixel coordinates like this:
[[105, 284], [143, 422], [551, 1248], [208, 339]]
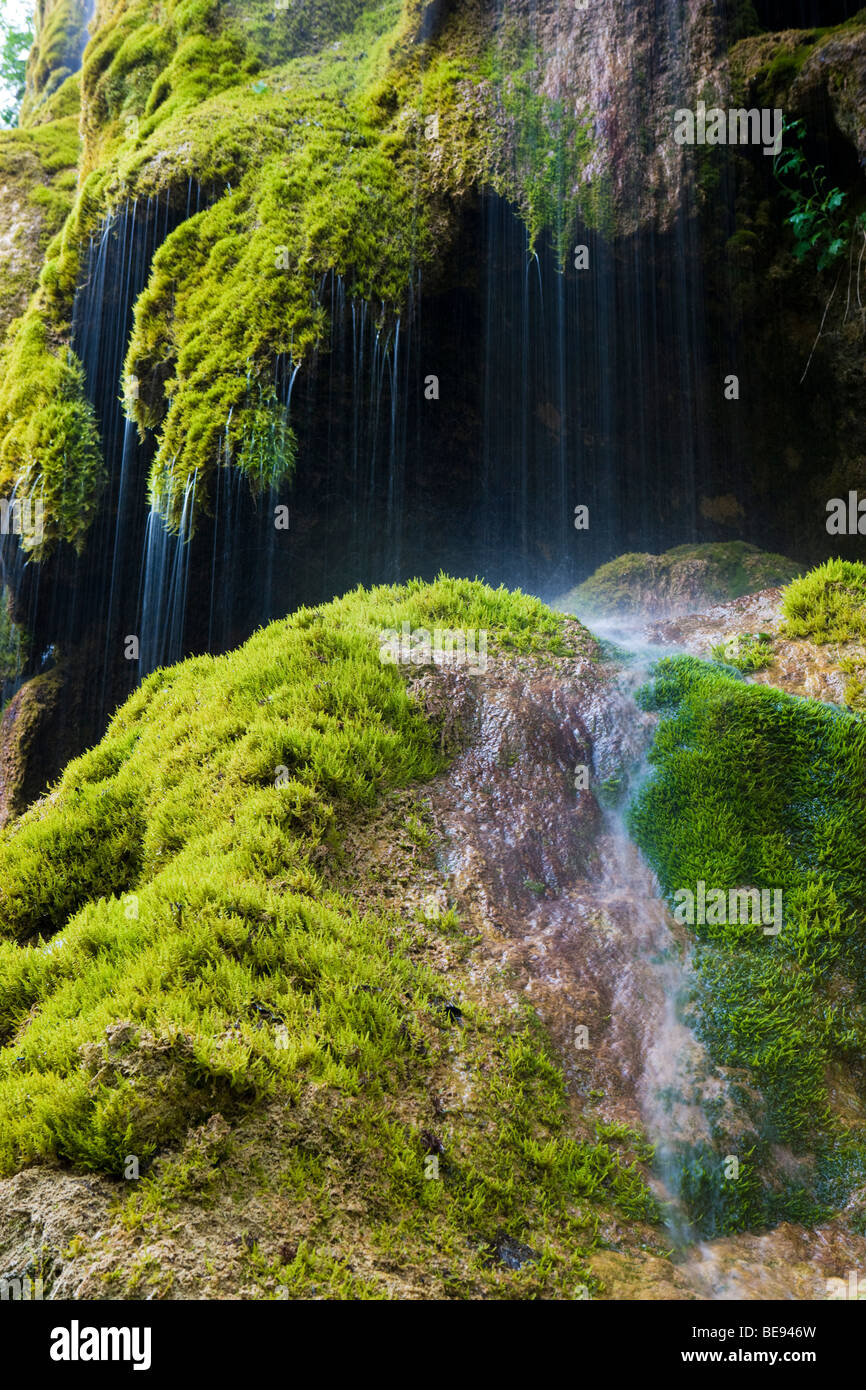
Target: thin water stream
[[678, 1086], [676, 1078]]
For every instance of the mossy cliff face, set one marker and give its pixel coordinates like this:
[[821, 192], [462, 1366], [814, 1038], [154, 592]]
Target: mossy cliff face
[[351, 138], [38, 177], [50, 446], [39, 161], [37, 184], [326, 138], [61, 36]]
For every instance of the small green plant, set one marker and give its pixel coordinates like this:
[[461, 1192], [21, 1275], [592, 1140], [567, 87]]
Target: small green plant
[[611, 792], [819, 216], [170, 954], [745, 652], [418, 832]]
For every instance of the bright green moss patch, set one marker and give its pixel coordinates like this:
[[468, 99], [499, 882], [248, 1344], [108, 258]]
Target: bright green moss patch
[[170, 948], [50, 452], [353, 152], [745, 651], [752, 788], [828, 604], [353, 1176]]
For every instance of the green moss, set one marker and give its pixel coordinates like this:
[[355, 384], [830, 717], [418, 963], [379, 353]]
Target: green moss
[[50, 451], [14, 640], [828, 604], [64, 102], [309, 130], [722, 1205], [745, 652], [754, 788], [170, 948], [777, 76], [546, 146], [779, 65], [244, 273], [713, 573], [49, 445], [38, 175]]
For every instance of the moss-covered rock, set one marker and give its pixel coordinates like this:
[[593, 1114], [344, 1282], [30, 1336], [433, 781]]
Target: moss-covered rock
[[61, 35], [828, 604], [685, 579], [808, 639], [755, 789], [827, 609], [184, 948], [337, 137], [24, 719], [38, 173], [800, 67], [327, 138]]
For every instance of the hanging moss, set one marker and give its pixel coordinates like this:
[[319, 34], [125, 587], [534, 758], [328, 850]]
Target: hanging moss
[[50, 450], [327, 137]]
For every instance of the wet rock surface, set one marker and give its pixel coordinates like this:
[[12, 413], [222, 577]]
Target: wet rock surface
[[786, 1263], [590, 944], [798, 667], [41, 1211]]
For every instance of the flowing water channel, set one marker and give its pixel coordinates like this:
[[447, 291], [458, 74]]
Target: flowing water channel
[[677, 1085]]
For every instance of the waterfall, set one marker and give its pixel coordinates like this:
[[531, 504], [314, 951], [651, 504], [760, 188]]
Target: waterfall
[[691, 1107], [164, 583], [94, 600], [575, 368], [229, 568], [90, 599], [364, 393], [591, 398]]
